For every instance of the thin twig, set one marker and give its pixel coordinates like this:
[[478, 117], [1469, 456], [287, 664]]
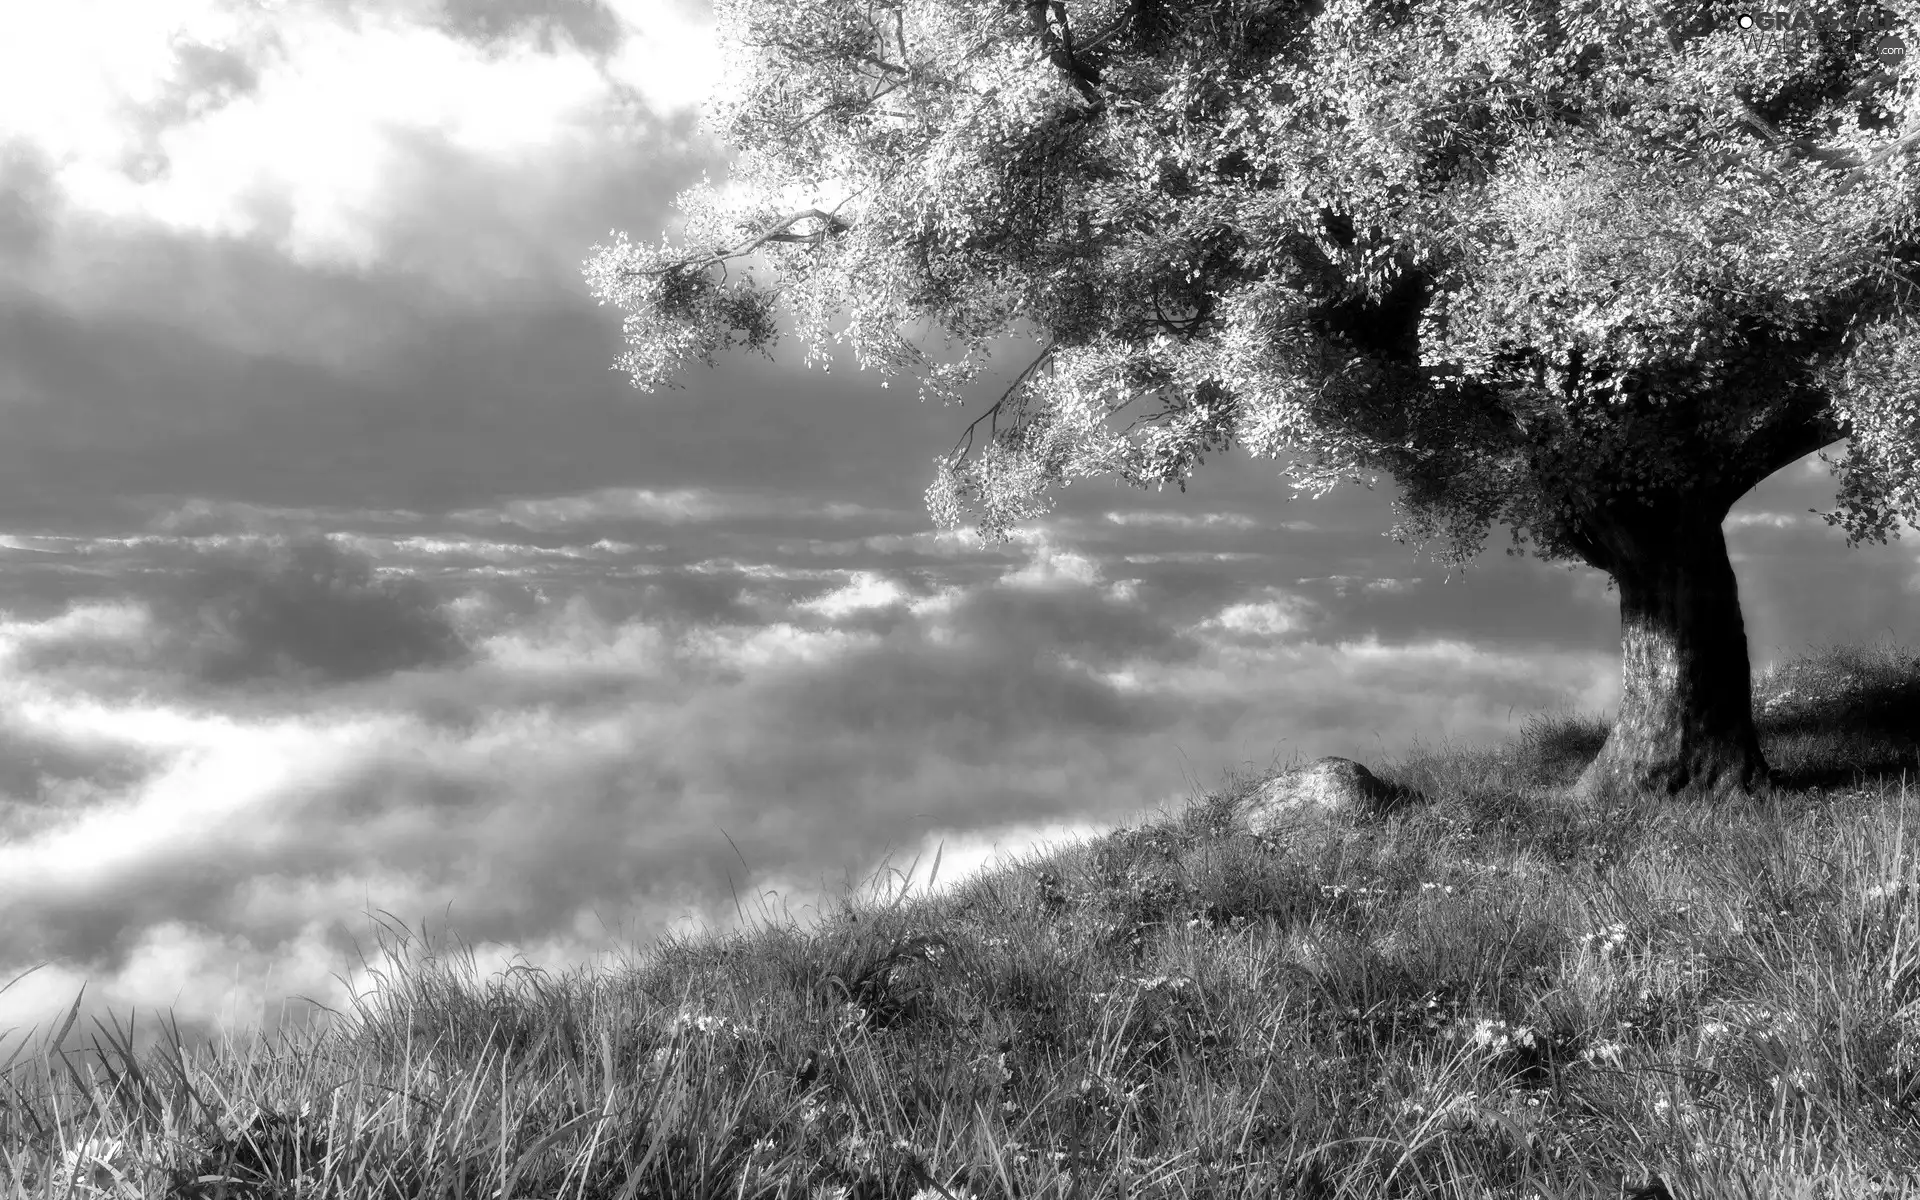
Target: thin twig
[[830, 224], [991, 415]]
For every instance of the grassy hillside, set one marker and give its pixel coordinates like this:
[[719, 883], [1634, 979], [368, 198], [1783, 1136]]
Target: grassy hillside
[[1497, 994]]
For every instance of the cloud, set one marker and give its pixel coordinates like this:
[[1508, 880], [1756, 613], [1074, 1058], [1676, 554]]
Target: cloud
[[586, 25], [317, 127], [606, 504], [1772, 520], [678, 506], [1279, 616], [865, 590], [199, 516], [1344, 585], [1092, 626], [1049, 567], [578, 763], [201, 79], [1191, 556], [929, 543], [303, 610], [30, 202], [1184, 521]]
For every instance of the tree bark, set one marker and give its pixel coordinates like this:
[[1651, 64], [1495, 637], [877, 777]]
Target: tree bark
[[1685, 727]]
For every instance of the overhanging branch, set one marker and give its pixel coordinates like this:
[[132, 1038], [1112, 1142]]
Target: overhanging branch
[[992, 415], [1787, 437], [1056, 43], [1832, 156], [830, 225]]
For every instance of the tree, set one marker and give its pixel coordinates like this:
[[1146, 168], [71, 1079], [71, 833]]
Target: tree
[[1593, 270]]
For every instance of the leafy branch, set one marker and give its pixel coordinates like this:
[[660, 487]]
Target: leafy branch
[[830, 225], [992, 415]]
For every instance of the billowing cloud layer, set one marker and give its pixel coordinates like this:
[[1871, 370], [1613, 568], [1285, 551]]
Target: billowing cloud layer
[[226, 745], [542, 738]]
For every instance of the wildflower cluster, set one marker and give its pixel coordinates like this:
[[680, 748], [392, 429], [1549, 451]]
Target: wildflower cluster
[[1893, 891], [687, 1025], [706, 1023], [1211, 918], [1755, 1020], [1497, 1035], [1606, 940], [1337, 891]]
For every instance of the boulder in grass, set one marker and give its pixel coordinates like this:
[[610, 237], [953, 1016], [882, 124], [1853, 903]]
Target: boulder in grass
[[1328, 786]]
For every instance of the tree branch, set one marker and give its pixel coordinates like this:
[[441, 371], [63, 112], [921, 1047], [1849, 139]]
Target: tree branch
[[829, 225], [1888, 151], [1786, 437], [1056, 43], [991, 416], [1112, 31], [882, 64], [1829, 155], [787, 131], [1826, 155]]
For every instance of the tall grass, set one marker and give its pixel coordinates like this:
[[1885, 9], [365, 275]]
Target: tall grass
[[1495, 994]]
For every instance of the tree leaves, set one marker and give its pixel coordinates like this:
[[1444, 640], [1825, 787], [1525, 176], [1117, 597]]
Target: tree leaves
[[1529, 262]]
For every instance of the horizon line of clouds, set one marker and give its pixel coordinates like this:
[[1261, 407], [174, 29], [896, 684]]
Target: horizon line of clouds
[[669, 507], [666, 506], [585, 522]]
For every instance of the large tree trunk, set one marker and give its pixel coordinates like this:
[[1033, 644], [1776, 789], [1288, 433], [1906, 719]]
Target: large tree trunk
[[1686, 707]]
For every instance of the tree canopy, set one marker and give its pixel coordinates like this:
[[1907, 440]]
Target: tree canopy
[[1533, 260]]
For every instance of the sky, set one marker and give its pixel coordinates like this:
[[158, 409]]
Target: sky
[[340, 575]]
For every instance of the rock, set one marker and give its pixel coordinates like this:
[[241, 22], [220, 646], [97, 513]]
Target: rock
[[1326, 786]]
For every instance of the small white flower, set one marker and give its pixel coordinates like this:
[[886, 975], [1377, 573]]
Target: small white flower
[[1497, 1035]]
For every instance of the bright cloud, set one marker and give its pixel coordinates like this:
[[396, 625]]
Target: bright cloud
[[1050, 567], [1173, 520], [866, 590], [1771, 520], [1272, 618], [294, 122]]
